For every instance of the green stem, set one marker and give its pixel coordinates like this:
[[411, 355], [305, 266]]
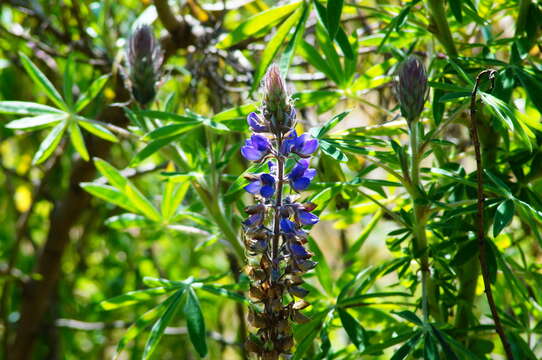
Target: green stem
[[440, 22], [429, 301]]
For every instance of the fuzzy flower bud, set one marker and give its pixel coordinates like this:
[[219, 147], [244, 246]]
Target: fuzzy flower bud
[[411, 88], [144, 61], [276, 102]]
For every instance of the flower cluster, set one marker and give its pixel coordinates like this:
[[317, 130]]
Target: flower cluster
[[274, 230], [144, 59]]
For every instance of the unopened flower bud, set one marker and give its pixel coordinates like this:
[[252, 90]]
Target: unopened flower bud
[[411, 88], [277, 108], [144, 62]]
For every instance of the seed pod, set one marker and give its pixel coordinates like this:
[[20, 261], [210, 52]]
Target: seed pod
[[256, 319], [300, 305], [256, 293], [411, 88], [144, 62]]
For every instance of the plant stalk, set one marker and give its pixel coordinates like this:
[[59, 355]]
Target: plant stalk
[[480, 216], [278, 203], [439, 20]]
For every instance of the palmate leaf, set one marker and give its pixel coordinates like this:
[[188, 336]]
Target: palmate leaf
[[353, 328], [133, 297]]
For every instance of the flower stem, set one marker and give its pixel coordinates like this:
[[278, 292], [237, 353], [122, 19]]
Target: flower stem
[[443, 33], [278, 202]]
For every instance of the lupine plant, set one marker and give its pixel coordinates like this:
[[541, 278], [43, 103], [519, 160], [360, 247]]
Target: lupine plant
[[274, 234], [301, 179]]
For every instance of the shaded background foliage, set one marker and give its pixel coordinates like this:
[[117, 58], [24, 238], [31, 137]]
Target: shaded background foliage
[[64, 251]]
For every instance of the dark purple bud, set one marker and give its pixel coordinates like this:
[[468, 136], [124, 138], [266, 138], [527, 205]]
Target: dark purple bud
[[411, 88], [144, 61], [253, 220], [306, 265]]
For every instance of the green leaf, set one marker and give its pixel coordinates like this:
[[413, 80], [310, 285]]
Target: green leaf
[[410, 316], [195, 323], [239, 112], [353, 328], [90, 94], [133, 297], [158, 328], [313, 57], [36, 122], [288, 54], [504, 113], [41, 80], [503, 216], [172, 197], [112, 175], [109, 194], [150, 149], [408, 347], [144, 205], [97, 129], [465, 253], [329, 125], [323, 272], [333, 151], [171, 130], [164, 115], [220, 291], [334, 10], [430, 349], [49, 144], [145, 320], [68, 80], [128, 221], [256, 23], [78, 141], [274, 44], [306, 333], [455, 6], [26, 108]]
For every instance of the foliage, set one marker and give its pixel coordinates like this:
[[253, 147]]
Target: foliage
[[123, 221]]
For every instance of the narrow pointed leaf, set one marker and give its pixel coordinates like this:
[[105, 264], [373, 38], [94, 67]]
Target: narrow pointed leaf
[[41, 80], [49, 144], [36, 122], [195, 323], [90, 94], [77, 140], [97, 129], [27, 108]]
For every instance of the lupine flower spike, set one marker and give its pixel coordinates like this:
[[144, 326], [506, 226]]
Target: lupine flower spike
[[144, 59], [411, 88], [274, 230]]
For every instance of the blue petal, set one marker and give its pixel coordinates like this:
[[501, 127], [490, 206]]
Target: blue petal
[[299, 251], [287, 226], [260, 142], [251, 153], [255, 123], [254, 187], [301, 183], [299, 169], [310, 173], [307, 218], [267, 179], [253, 219], [309, 147], [267, 191]]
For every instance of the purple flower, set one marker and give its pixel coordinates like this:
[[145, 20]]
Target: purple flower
[[253, 220], [306, 218], [300, 177], [256, 123], [287, 226], [263, 184], [256, 148], [302, 145], [299, 251]]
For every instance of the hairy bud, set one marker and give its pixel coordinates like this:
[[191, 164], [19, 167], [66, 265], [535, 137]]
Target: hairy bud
[[411, 88], [144, 61], [276, 102]]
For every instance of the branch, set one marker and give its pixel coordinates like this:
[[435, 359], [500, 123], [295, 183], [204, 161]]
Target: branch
[[480, 216]]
